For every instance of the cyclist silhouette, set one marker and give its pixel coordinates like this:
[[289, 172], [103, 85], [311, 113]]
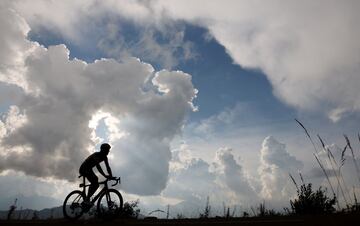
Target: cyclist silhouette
[[86, 169]]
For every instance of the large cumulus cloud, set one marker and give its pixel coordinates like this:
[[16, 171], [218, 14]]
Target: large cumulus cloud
[[234, 177], [308, 50], [276, 163], [191, 179], [60, 97], [223, 180]]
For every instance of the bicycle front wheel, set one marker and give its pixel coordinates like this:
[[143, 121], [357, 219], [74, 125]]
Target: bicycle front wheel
[[72, 208], [110, 204]]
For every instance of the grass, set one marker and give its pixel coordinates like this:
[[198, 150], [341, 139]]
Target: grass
[[336, 168]]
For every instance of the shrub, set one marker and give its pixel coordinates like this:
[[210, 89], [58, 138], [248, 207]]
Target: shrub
[[131, 209], [312, 202]]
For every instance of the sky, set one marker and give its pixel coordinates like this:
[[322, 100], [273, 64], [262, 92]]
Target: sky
[[196, 101]]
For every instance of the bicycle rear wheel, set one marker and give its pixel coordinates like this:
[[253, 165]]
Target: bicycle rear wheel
[[72, 208], [110, 204]]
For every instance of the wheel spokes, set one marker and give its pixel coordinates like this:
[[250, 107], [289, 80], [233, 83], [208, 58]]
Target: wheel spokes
[[72, 208], [110, 204]]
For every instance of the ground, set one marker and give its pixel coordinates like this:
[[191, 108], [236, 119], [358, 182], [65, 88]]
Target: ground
[[328, 220]]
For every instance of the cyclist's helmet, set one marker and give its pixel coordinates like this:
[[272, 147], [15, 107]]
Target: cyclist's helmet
[[105, 148]]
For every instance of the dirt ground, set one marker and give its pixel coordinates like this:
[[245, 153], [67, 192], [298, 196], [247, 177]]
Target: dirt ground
[[328, 220]]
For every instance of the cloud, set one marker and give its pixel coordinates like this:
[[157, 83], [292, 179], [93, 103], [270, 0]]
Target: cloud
[[225, 118], [9, 94], [190, 179], [275, 165], [32, 192], [62, 95], [117, 29], [14, 48], [193, 179], [229, 119], [309, 50], [163, 44], [234, 176]]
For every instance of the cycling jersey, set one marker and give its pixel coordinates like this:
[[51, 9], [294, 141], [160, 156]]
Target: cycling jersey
[[91, 162]]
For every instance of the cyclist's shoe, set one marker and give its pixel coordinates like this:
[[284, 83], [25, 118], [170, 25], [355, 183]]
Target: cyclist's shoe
[[86, 205]]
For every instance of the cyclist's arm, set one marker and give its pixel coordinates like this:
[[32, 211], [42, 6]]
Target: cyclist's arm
[[100, 170], [108, 167]]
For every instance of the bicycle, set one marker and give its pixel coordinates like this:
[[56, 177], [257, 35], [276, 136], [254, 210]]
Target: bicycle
[[109, 201]]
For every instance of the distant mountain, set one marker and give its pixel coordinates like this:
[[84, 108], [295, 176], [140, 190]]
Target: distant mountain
[[35, 202], [28, 214]]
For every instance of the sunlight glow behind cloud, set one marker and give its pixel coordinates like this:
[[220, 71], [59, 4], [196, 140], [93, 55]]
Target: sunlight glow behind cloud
[[62, 97]]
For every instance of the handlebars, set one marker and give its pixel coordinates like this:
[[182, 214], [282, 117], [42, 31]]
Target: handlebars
[[117, 181]]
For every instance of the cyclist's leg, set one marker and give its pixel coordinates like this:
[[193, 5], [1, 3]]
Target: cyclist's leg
[[94, 184]]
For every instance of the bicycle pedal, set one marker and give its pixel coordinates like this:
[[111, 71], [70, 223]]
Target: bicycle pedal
[[87, 208], [86, 204]]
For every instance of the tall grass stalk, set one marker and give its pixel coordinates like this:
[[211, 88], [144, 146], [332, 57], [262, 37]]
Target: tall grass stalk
[[308, 135], [353, 156], [293, 180], [359, 137], [301, 178], [342, 162], [206, 213], [342, 159], [334, 166], [328, 179], [355, 198], [340, 173], [233, 212], [318, 160]]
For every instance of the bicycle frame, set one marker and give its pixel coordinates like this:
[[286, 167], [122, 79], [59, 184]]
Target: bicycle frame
[[74, 206], [102, 191]]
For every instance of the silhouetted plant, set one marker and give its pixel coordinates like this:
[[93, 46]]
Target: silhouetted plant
[[336, 169], [312, 202], [287, 211], [167, 211], [26, 215], [245, 214], [35, 216], [354, 208], [227, 213], [20, 213], [263, 212], [207, 209], [319, 161], [11, 210], [131, 209]]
